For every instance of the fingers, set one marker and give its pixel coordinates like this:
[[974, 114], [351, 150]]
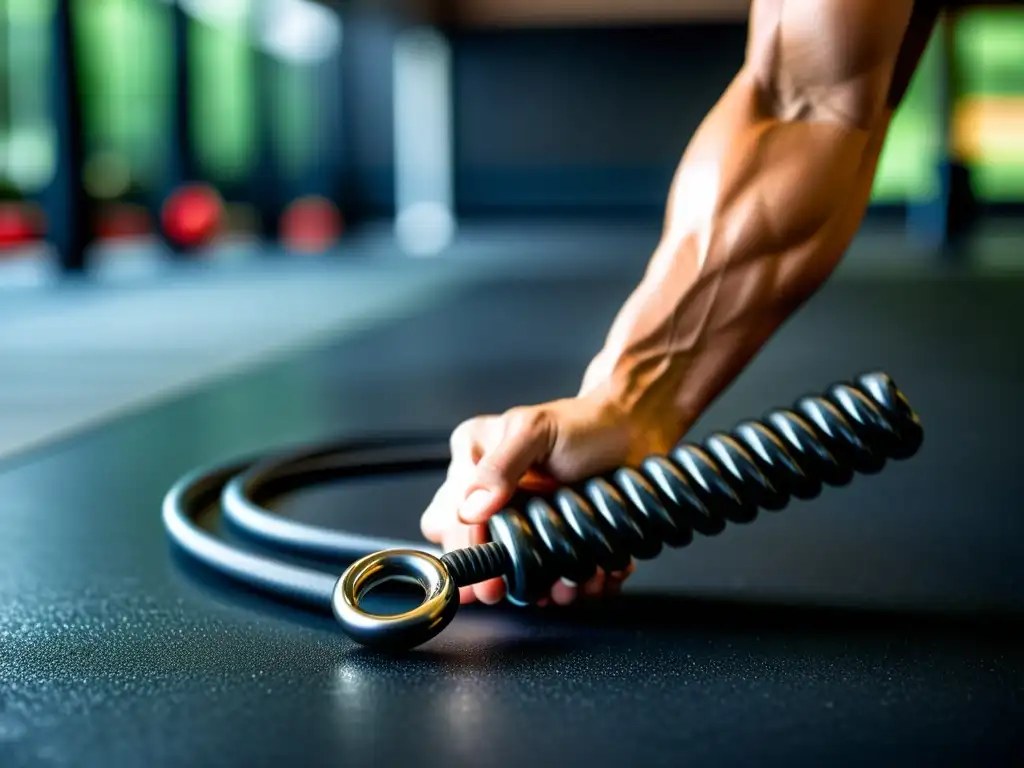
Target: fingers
[[442, 512], [491, 457], [523, 439], [565, 592]]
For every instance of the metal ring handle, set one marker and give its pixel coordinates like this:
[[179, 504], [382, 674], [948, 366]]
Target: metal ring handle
[[403, 630]]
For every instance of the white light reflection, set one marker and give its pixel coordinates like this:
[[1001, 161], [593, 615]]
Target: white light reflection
[[296, 31], [425, 221], [452, 701], [299, 31]]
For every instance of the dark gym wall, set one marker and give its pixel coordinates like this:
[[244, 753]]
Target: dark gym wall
[[548, 121], [368, 153], [565, 121]]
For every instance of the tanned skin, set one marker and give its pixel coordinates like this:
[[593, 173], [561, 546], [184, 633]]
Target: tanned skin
[[764, 203]]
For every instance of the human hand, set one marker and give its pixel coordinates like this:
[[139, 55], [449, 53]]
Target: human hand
[[535, 448]]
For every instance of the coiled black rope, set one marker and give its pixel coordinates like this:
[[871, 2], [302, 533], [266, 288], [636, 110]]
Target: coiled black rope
[[604, 522], [630, 513]]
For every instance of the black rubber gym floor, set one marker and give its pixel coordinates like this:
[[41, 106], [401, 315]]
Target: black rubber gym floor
[[877, 624]]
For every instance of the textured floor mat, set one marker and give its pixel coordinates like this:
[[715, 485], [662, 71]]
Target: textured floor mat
[[72, 356]]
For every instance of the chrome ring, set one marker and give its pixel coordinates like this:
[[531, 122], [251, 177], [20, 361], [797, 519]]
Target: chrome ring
[[404, 630]]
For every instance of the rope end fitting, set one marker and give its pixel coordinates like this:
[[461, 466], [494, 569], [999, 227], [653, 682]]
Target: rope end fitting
[[402, 631]]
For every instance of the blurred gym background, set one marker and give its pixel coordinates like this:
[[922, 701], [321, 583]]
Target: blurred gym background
[[180, 178]]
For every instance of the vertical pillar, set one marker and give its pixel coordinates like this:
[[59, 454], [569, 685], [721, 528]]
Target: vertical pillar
[[962, 206], [424, 138], [351, 71], [329, 128], [424, 133], [268, 181], [944, 221], [70, 214], [182, 161]]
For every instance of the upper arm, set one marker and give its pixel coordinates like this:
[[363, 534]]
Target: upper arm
[[827, 60]]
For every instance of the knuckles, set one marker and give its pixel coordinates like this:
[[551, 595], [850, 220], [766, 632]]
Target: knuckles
[[467, 433], [518, 421], [526, 420]]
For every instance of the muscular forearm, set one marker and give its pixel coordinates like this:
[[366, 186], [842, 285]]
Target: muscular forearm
[[760, 212]]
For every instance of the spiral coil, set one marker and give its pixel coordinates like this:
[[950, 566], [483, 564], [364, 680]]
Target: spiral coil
[[608, 521], [604, 522]]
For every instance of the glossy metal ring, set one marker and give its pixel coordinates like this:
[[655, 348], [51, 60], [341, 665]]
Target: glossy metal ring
[[403, 630]]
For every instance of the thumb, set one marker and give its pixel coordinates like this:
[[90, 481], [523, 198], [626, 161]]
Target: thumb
[[496, 475]]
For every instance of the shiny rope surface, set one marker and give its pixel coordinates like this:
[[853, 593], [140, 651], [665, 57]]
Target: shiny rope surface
[[604, 522], [228, 486]]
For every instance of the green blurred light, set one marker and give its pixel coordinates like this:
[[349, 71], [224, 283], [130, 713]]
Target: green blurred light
[[127, 80], [989, 45], [30, 11], [906, 168], [297, 116], [28, 142], [990, 49], [231, 15], [224, 109]]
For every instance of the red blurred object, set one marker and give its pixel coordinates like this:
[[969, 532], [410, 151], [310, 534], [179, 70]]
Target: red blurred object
[[123, 220], [20, 224], [193, 215], [311, 225]]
